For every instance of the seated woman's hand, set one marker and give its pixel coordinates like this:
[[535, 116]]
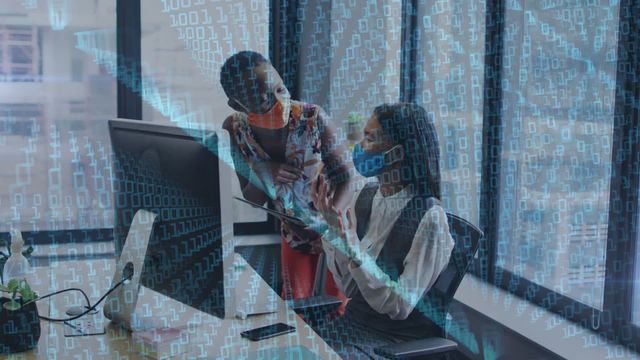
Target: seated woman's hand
[[323, 201], [339, 227]]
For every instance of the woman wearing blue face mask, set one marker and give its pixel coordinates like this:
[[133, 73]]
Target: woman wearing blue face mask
[[390, 246]]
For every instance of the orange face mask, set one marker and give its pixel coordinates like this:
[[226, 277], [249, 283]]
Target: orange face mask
[[276, 118]]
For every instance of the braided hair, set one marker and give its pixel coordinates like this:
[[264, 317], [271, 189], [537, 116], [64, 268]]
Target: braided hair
[[411, 126], [233, 70]]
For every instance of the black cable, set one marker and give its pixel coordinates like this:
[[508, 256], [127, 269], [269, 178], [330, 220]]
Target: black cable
[[89, 309], [60, 292]]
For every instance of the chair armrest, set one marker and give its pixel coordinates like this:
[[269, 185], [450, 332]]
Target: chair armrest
[[322, 303], [422, 347]]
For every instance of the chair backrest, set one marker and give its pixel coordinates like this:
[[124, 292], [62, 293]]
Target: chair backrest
[[466, 237]]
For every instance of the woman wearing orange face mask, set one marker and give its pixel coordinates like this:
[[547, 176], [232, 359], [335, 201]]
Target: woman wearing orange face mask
[[279, 147]]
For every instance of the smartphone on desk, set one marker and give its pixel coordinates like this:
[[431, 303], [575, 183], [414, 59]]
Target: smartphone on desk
[[268, 331]]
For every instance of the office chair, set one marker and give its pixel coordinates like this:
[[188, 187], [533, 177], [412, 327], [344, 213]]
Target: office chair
[[466, 239]]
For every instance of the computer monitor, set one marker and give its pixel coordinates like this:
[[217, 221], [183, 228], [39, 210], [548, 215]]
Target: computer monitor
[[176, 174]]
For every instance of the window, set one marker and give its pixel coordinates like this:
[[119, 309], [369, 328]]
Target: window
[[365, 53], [184, 44], [54, 141], [19, 53], [450, 73], [559, 75], [21, 119]]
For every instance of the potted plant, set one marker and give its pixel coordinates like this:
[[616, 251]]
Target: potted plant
[[19, 321], [355, 122]]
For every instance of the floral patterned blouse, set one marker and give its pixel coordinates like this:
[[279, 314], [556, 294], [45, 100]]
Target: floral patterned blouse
[[303, 150]]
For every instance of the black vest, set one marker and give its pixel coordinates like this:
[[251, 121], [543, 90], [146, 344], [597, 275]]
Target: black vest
[[391, 261]]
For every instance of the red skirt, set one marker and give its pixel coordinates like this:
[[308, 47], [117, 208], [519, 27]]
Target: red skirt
[[298, 275]]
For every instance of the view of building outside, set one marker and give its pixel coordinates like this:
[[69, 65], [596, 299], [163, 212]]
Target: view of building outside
[[558, 93], [54, 105], [450, 86]]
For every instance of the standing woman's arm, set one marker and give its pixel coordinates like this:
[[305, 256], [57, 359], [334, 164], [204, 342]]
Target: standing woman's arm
[[250, 191], [337, 162]]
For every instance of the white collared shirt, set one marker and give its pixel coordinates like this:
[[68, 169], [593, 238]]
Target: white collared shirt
[[428, 256]]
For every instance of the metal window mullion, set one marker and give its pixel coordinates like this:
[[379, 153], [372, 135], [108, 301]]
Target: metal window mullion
[[408, 51], [625, 180], [491, 136], [4, 46], [129, 58], [35, 56]]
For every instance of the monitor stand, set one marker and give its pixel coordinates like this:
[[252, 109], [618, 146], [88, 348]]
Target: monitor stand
[[121, 303]]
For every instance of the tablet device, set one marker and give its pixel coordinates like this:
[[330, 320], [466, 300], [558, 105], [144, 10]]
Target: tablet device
[[278, 214]]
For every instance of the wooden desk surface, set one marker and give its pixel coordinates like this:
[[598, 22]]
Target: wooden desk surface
[[208, 336]]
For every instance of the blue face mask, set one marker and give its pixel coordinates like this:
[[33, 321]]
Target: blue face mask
[[370, 164]]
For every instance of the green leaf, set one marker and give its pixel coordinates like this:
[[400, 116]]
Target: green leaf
[[28, 295], [19, 287], [24, 286], [13, 285], [32, 296]]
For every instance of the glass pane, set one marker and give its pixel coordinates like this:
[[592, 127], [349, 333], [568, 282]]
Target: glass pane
[[184, 44], [21, 54], [54, 155], [24, 36], [636, 284], [558, 91], [365, 62], [450, 82]]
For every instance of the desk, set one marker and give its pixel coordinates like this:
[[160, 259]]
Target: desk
[[210, 337]]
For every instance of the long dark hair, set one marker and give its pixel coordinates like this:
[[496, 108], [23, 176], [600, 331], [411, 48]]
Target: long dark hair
[[411, 126]]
